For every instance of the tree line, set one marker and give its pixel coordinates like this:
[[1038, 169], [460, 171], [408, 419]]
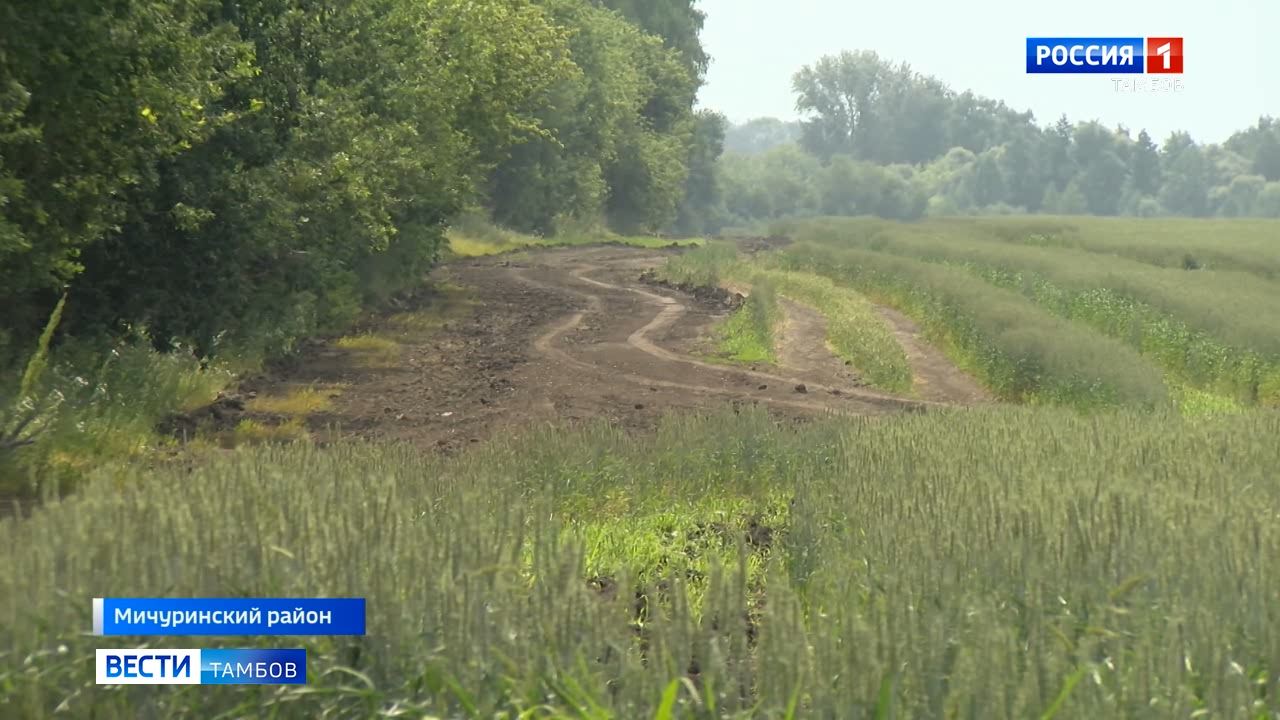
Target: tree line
[[882, 139], [236, 172]]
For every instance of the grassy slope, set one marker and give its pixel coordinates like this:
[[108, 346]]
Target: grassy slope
[[847, 566]]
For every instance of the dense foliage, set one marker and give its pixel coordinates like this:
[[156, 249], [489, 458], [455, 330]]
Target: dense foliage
[[245, 173], [882, 139]]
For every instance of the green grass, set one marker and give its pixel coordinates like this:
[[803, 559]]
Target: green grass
[[371, 349], [474, 236], [1244, 245], [299, 402], [1216, 330], [854, 331], [101, 409], [748, 335], [995, 563], [706, 266], [1020, 351]]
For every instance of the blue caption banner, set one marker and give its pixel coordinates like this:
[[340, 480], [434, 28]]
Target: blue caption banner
[[206, 666], [1085, 55], [253, 666], [228, 616]]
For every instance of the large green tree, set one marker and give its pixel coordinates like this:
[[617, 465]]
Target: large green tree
[[93, 98], [678, 22], [250, 170], [622, 140]]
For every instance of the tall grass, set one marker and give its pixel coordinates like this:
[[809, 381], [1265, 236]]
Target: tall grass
[[1218, 331], [1243, 245], [705, 266], [1019, 350], [1001, 563], [103, 409]]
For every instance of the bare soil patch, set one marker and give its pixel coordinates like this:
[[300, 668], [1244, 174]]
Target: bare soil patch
[[560, 336]]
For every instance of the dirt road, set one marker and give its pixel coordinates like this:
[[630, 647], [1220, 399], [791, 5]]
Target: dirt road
[[564, 335]]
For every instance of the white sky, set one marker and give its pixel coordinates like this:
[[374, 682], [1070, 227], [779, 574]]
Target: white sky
[[1232, 69]]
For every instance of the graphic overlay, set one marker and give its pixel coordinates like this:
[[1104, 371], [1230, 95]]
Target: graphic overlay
[[206, 666], [1104, 55], [228, 616], [1164, 56]]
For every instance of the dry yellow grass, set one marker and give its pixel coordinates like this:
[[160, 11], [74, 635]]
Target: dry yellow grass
[[298, 403], [372, 349], [449, 302], [252, 432]]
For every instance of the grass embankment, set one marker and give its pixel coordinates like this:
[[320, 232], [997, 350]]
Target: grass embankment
[[749, 333], [1217, 332], [854, 332], [997, 563]]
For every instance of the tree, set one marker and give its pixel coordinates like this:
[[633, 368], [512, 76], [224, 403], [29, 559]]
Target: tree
[[620, 133], [1261, 145], [788, 174], [1186, 186], [760, 135], [1266, 161], [1102, 171], [93, 97], [1072, 200], [1021, 167], [1060, 159], [679, 24], [840, 93], [1268, 201], [839, 191], [253, 170], [1240, 197], [703, 204], [1144, 165], [988, 179]]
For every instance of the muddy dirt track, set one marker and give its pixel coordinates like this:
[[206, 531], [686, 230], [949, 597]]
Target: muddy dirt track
[[564, 335]]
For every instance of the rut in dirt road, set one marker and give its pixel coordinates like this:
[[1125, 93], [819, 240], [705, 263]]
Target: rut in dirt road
[[660, 366], [572, 334]]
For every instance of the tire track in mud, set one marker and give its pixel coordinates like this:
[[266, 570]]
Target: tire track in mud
[[553, 337], [934, 376], [670, 310]]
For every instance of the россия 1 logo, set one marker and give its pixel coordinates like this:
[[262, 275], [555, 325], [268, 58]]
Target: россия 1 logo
[[1132, 55]]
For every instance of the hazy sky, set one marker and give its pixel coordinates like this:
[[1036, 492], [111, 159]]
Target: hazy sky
[[1232, 73]]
